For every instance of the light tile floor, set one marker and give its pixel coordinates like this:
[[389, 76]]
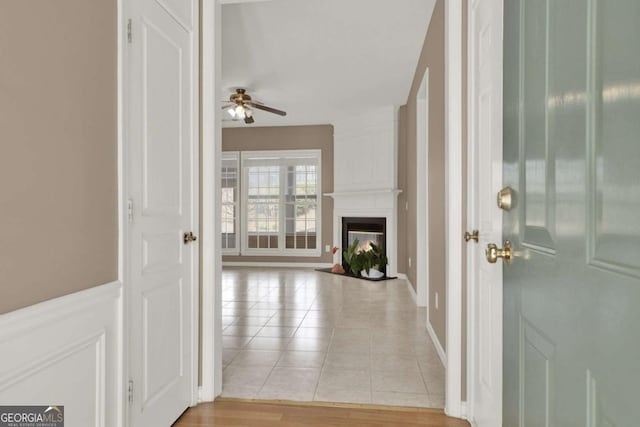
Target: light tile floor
[[295, 334]]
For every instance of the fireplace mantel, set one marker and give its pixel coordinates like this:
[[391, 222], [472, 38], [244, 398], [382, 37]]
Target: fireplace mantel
[[351, 193]]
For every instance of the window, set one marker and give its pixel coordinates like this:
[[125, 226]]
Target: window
[[281, 203], [262, 207], [301, 204], [229, 204]]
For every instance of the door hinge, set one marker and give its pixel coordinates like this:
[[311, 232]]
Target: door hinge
[[130, 392], [130, 210], [129, 36]]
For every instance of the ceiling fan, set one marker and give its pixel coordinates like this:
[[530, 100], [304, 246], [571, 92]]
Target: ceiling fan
[[241, 104]]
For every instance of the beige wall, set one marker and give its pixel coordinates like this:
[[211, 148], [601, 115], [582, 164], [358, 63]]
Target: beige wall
[[290, 138], [403, 257], [432, 56], [58, 139]]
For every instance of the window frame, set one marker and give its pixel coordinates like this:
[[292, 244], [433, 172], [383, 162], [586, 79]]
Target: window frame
[[233, 156], [283, 158]]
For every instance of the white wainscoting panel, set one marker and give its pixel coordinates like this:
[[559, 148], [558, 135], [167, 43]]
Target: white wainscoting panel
[[66, 351]]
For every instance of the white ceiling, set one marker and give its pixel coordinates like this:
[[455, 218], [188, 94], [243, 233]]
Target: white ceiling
[[321, 59]]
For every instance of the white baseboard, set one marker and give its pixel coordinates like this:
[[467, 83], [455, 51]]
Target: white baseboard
[[412, 291], [436, 342], [67, 351], [463, 415], [277, 264]]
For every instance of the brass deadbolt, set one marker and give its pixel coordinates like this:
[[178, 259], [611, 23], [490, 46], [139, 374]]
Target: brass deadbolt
[[493, 252], [505, 198]]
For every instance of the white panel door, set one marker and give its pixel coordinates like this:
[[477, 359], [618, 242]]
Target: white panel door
[[485, 179], [162, 187]]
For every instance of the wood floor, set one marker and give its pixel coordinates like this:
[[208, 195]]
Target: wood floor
[[228, 412]]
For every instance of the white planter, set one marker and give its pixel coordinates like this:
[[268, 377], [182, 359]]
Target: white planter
[[373, 274]]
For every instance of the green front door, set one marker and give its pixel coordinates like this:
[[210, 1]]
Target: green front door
[[572, 155]]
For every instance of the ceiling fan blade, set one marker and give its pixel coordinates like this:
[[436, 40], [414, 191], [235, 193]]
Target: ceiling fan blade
[[268, 109], [224, 107], [248, 120]]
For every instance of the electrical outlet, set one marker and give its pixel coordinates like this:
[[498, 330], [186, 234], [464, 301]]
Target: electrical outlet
[[327, 248], [436, 300], [406, 206], [409, 262]]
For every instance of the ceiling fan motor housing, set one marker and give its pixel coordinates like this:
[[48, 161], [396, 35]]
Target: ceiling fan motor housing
[[240, 97]]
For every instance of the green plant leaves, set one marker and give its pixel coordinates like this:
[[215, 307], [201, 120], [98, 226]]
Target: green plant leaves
[[359, 260]]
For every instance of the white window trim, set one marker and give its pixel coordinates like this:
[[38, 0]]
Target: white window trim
[[235, 155], [281, 251]]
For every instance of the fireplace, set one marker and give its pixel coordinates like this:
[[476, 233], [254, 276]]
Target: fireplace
[[366, 230]]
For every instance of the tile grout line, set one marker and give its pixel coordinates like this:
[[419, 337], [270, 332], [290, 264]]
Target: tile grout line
[[324, 361], [371, 367]]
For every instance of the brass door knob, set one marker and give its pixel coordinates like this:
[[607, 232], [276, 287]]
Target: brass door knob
[[471, 236], [493, 252], [189, 237]]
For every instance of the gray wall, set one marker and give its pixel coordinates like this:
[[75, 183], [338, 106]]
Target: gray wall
[[290, 138], [58, 139]]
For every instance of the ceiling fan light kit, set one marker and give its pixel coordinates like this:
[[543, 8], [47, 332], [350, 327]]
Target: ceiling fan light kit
[[239, 107], [238, 112]]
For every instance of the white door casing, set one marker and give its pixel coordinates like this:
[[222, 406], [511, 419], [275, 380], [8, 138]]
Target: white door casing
[[211, 298], [453, 206], [484, 181], [162, 188]]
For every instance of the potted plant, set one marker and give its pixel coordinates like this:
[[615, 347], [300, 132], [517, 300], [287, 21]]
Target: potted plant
[[352, 258], [374, 262], [371, 263]]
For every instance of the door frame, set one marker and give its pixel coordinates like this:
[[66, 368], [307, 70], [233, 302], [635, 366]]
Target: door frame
[[211, 243], [474, 146], [211, 292], [123, 172], [454, 406], [123, 223]]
